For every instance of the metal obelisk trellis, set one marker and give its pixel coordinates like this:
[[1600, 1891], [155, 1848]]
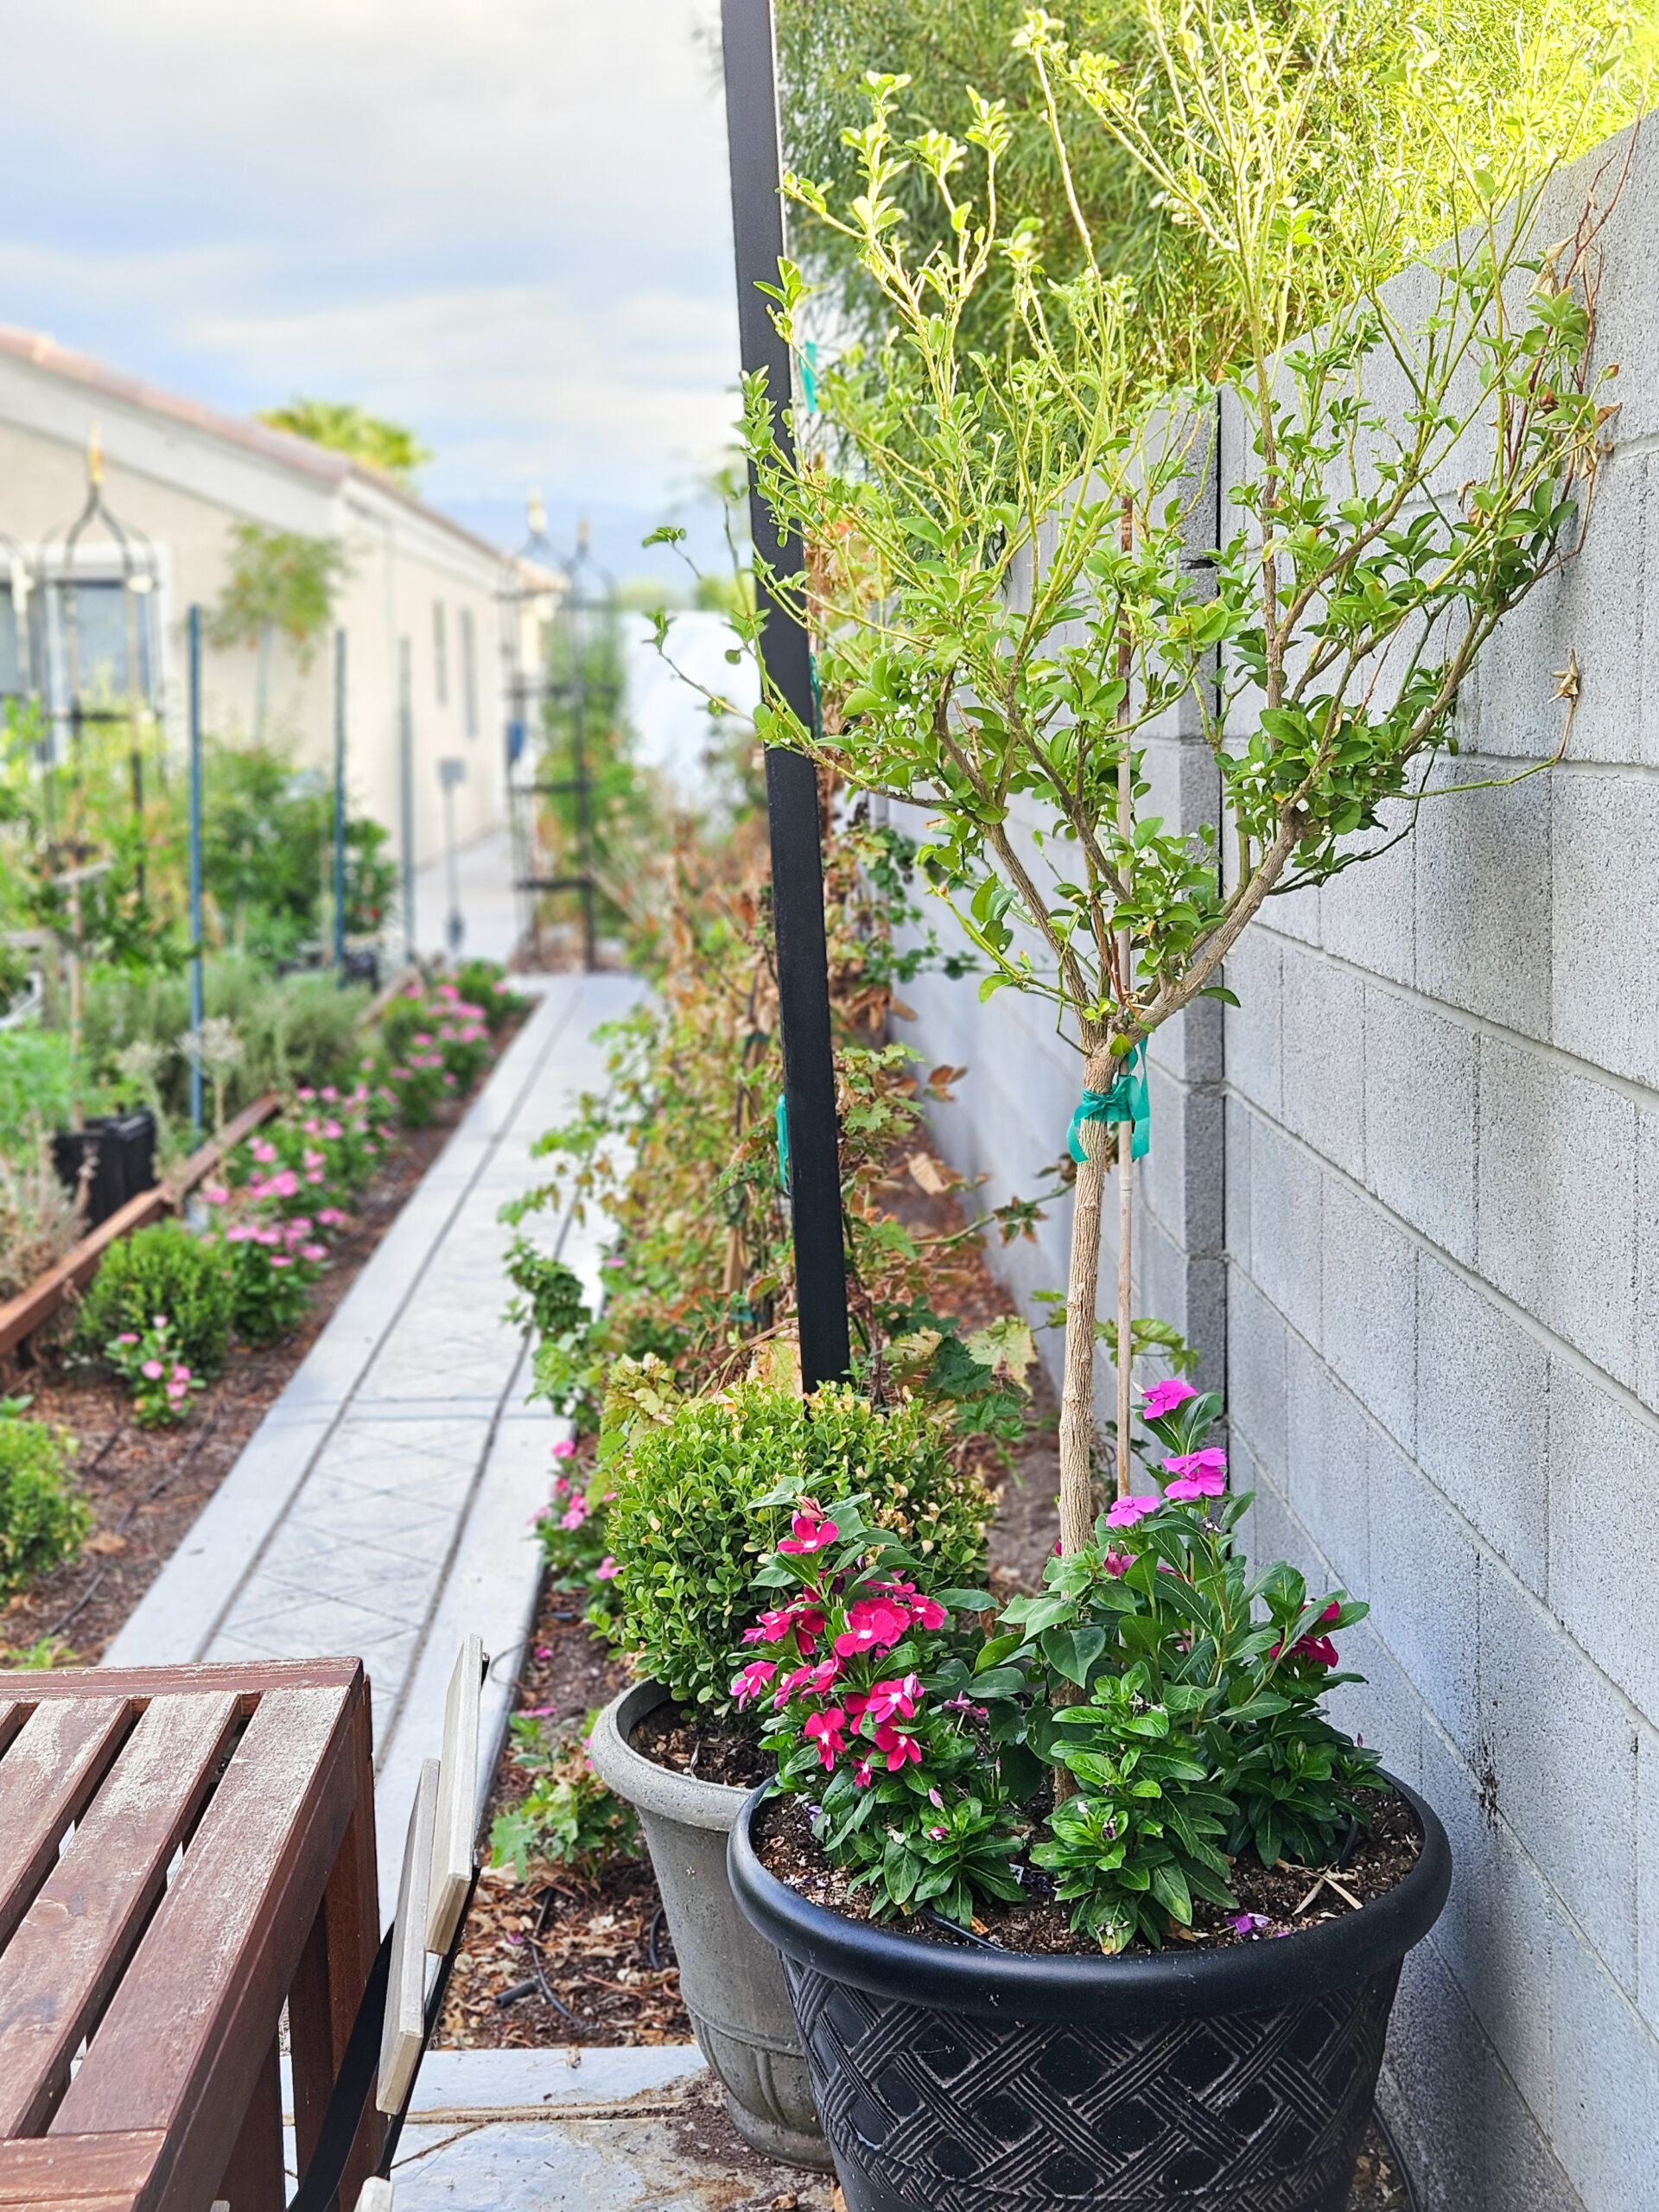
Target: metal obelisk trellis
[[791, 779]]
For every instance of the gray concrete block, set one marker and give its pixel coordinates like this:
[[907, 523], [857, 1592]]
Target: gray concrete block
[[1557, 1752], [1235, 1175], [1253, 1043], [1647, 1875], [1384, 1711], [1286, 1205], [1182, 1178], [1606, 954], [1606, 2082], [1483, 1420], [1425, 1589], [1482, 893], [1470, 2139], [1557, 1199], [1367, 913], [1368, 1325], [1328, 1464], [1190, 1044], [1419, 1117], [1323, 1026], [1647, 1256], [1604, 1530], [1496, 1932], [1255, 1371]]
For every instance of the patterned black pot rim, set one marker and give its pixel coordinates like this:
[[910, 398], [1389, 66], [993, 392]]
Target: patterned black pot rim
[[1140, 1990]]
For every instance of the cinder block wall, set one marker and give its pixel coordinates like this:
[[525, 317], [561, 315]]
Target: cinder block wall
[[1410, 1200]]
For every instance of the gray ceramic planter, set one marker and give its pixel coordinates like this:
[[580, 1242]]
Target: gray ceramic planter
[[731, 1978]]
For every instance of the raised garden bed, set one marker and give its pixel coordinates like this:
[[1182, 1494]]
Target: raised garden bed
[[145, 1487]]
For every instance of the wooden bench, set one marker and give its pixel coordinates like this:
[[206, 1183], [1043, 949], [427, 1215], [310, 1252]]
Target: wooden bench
[[222, 1862]]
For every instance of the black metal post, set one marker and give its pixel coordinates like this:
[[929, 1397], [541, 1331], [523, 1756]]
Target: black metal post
[[340, 806], [791, 779]]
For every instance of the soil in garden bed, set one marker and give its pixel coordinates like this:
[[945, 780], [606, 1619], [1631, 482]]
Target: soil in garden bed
[[675, 1737], [599, 1980], [1282, 1899], [146, 1486]]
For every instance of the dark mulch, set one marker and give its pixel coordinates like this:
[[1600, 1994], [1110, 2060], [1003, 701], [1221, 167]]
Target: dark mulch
[[677, 1738], [1286, 1898], [146, 1486], [583, 1946]]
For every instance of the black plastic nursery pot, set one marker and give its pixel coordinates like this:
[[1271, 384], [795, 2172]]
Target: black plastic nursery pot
[[122, 1150], [955, 2078]]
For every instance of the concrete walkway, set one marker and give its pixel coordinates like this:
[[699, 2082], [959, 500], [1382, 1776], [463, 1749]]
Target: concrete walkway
[[489, 905], [383, 1506], [583, 2131]]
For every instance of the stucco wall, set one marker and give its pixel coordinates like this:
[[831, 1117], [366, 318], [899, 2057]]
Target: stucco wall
[[1410, 1197], [183, 486]]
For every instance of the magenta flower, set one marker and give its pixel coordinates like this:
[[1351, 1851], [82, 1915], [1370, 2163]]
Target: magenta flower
[[564, 1449], [127, 1337], [898, 1747], [607, 1570], [872, 1625], [151, 1371], [1199, 1474], [1247, 1923], [1163, 1397], [1116, 1562], [216, 1195], [575, 1513], [826, 1730], [811, 1532], [861, 1773], [752, 1679], [900, 1697], [1128, 1510]]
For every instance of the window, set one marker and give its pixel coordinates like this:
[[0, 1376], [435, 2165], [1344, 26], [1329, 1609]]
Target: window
[[102, 642], [440, 655], [13, 639], [468, 673]]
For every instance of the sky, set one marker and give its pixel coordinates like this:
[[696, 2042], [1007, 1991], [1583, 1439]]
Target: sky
[[504, 222]]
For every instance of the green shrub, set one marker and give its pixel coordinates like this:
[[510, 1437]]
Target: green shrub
[[687, 1531], [163, 1270], [42, 1522]]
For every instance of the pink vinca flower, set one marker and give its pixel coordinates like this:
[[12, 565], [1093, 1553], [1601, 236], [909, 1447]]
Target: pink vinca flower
[[151, 1371], [896, 1747], [607, 1570], [564, 1449], [1198, 1474], [872, 1625], [898, 1696], [1163, 1397], [752, 1679], [826, 1730], [810, 1533], [1118, 1563], [575, 1513], [1128, 1510]]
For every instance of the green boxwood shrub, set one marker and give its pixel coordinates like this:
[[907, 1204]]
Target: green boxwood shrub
[[42, 1522], [162, 1270], [687, 1535]]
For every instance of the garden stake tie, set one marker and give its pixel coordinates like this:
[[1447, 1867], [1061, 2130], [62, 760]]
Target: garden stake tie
[[1126, 1101]]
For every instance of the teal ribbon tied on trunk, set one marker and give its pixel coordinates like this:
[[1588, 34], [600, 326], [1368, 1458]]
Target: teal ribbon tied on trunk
[[783, 1143], [1126, 1101]]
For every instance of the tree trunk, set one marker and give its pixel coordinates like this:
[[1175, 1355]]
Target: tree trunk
[[1077, 1389], [1125, 1298]]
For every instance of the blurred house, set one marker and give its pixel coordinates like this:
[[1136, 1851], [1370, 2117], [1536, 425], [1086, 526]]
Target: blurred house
[[420, 602]]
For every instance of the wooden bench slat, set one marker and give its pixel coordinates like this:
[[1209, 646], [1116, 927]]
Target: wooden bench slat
[[249, 1680], [59, 2170], [72, 1944], [13, 1713], [47, 1775], [224, 1943]]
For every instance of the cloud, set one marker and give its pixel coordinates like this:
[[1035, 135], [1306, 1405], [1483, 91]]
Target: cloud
[[505, 221]]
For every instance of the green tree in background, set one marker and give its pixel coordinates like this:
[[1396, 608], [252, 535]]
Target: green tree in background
[[343, 427], [1509, 67], [280, 579]]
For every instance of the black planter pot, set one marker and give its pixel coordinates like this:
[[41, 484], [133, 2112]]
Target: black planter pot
[[122, 1148], [956, 2079]]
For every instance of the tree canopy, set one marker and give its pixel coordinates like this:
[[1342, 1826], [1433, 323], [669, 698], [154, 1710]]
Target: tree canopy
[[344, 426]]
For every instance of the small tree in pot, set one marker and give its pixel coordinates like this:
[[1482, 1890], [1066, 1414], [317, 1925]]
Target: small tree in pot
[[1019, 535], [1017, 603]]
